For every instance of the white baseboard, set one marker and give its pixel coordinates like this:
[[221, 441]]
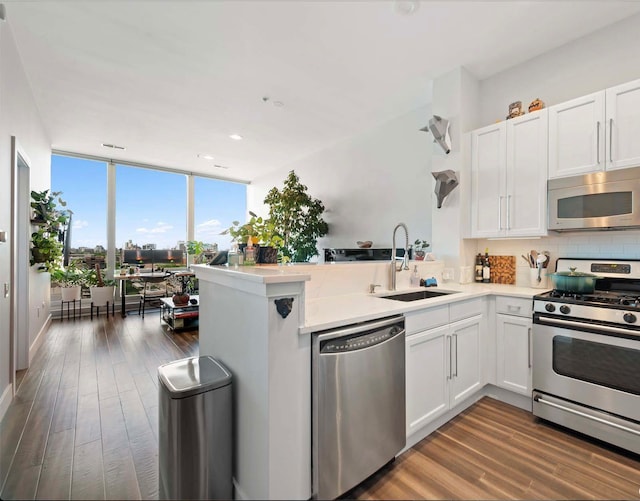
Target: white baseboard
[[5, 400], [39, 338]]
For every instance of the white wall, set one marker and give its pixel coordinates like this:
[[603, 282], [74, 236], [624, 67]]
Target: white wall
[[19, 117], [603, 59], [368, 183]]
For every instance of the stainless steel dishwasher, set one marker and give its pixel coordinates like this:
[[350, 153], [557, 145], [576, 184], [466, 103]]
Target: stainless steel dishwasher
[[358, 403]]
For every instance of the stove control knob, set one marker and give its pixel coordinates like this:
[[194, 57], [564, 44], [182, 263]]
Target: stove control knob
[[630, 318], [550, 307], [565, 309]]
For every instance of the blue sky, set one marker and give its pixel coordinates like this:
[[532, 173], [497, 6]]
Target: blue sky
[[150, 205]]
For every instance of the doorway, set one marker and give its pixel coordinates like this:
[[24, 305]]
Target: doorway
[[20, 232]]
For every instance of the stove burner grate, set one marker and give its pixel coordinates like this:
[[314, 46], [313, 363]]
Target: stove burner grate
[[631, 300]]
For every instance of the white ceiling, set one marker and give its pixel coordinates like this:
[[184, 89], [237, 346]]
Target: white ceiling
[[171, 79]]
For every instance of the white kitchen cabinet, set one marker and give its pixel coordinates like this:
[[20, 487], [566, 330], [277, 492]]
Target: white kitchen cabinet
[[509, 176], [513, 344], [427, 387], [623, 126], [595, 132], [443, 364], [464, 359]]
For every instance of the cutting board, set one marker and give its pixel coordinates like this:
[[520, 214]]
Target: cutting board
[[503, 269]]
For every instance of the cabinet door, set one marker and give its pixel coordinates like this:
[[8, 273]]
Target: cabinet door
[[464, 353], [526, 202], [514, 353], [488, 181], [427, 390], [576, 136], [623, 126]]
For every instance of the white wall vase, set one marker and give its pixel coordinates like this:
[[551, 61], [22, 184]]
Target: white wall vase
[[71, 293], [101, 295]]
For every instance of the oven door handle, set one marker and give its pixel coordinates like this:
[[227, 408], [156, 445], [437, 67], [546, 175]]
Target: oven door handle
[[541, 400], [575, 323]]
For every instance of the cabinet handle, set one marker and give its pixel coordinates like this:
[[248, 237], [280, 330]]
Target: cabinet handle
[[611, 140], [598, 141], [508, 212], [529, 347], [500, 212], [455, 374], [450, 354], [513, 307]]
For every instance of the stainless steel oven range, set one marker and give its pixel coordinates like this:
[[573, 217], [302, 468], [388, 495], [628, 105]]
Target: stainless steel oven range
[[586, 354]]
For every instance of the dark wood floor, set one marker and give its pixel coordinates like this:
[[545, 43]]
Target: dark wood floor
[[84, 426], [496, 451]]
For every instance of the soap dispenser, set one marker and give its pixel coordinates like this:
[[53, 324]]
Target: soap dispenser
[[415, 278]]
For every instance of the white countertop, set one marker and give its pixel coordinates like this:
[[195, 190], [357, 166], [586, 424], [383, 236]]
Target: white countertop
[[335, 311]]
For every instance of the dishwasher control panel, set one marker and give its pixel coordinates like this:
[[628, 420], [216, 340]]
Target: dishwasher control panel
[[358, 341]]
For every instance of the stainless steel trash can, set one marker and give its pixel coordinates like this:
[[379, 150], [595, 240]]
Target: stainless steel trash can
[[195, 430]]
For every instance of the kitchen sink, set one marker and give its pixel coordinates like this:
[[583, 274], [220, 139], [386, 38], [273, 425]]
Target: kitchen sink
[[417, 295]]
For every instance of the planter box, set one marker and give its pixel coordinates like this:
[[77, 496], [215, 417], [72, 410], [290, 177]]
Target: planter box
[[71, 293], [100, 296]]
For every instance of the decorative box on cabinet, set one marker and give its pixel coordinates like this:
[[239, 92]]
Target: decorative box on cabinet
[[509, 178], [595, 132]]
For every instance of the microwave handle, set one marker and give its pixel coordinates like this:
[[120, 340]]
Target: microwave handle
[[598, 142]]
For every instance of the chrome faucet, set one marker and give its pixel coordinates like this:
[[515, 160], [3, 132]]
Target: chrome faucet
[[405, 259]]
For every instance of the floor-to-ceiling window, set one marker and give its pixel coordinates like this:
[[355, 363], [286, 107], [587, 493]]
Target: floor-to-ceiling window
[[83, 186], [151, 216], [147, 207], [217, 204]]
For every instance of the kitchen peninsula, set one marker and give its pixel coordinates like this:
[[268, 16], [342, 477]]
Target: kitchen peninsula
[[266, 344]]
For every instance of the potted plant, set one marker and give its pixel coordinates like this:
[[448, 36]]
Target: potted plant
[[70, 280], [240, 233], [297, 219], [420, 246], [102, 290], [46, 240], [195, 248]]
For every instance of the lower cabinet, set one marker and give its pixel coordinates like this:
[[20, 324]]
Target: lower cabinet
[[514, 353], [464, 356], [427, 377], [442, 367], [513, 344]]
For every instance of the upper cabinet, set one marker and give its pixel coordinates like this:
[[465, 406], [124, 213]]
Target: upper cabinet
[[595, 132], [509, 177]]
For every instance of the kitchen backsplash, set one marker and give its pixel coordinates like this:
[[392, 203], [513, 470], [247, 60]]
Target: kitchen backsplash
[[596, 244], [338, 279]]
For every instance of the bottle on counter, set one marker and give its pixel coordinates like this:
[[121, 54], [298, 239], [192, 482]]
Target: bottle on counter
[[486, 268], [249, 253], [415, 278], [478, 269], [233, 257]]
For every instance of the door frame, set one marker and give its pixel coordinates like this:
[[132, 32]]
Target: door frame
[[19, 261]]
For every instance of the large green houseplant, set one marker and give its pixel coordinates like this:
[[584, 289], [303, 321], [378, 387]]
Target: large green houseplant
[[297, 218], [48, 216]]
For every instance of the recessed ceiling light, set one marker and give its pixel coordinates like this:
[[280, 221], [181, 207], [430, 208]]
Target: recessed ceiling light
[[220, 166], [113, 146], [205, 156], [236, 137], [406, 7]]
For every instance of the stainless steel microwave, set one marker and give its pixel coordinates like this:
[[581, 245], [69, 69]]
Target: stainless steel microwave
[[597, 201]]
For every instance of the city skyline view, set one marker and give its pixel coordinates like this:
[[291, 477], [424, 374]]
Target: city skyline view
[[150, 204]]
